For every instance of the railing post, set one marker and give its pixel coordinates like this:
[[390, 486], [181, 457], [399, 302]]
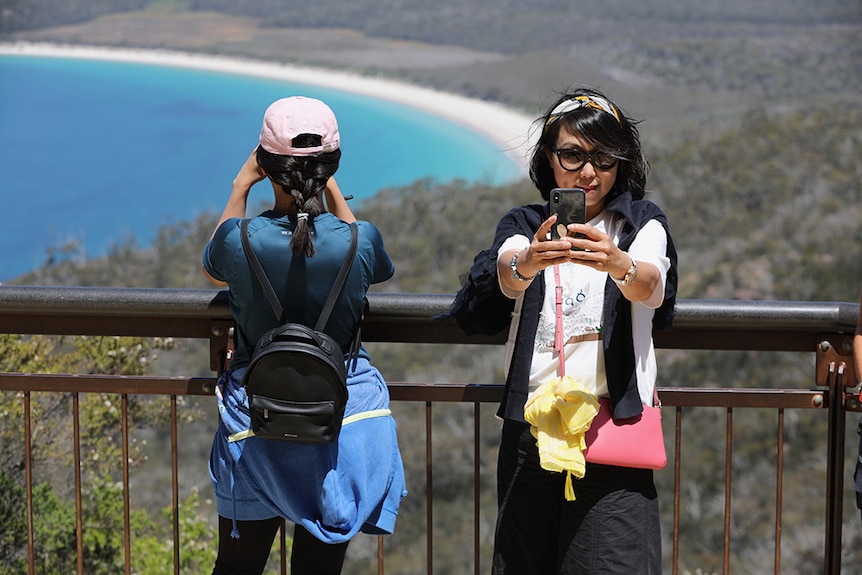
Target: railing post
[[221, 344], [834, 363]]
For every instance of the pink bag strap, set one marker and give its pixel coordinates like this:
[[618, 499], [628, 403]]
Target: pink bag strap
[[558, 333]]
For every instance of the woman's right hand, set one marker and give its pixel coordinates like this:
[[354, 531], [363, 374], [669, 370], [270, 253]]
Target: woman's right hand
[[541, 253], [544, 252], [335, 202]]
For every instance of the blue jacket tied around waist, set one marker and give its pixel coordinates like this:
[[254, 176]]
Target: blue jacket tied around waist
[[333, 490]]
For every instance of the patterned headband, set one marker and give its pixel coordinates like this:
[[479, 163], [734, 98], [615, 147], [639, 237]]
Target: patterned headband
[[567, 106]]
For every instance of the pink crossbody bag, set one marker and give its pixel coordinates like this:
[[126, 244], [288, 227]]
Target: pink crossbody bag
[[636, 442]]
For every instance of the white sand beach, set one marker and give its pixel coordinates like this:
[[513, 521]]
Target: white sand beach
[[508, 128]]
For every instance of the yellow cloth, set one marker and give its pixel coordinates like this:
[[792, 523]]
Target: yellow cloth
[[560, 412]]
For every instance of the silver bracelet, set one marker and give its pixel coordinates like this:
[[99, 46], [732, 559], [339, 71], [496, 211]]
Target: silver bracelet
[[514, 265]]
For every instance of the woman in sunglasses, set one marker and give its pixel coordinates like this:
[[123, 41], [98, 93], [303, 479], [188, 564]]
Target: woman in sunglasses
[[618, 277]]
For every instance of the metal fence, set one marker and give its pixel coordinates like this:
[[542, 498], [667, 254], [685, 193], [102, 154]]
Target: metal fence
[[821, 329]]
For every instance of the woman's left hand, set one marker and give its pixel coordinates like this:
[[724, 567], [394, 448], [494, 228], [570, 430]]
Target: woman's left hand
[[597, 250]]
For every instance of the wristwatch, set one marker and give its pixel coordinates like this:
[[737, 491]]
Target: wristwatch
[[629, 278], [514, 265]]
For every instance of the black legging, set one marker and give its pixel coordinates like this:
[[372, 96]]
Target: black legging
[[248, 554]]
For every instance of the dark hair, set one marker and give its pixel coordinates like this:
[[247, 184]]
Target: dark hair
[[303, 177], [600, 129]]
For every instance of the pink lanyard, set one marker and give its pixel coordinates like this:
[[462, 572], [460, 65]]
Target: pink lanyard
[[558, 333]]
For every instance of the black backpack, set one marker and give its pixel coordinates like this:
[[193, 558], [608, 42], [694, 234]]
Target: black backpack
[[296, 380]]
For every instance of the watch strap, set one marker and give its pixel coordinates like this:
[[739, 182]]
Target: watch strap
[[630, 275]]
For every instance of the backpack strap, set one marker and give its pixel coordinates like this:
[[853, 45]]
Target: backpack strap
[[258, 271], [338, 286], [356, 340], [334, 293]]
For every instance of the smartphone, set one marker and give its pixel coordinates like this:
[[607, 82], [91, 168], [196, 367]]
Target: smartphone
[[570, 206]]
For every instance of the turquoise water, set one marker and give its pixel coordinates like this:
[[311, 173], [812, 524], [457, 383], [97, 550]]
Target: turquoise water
[[98, 152]]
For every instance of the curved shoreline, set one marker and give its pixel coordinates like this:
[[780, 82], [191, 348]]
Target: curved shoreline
[[504, 126]]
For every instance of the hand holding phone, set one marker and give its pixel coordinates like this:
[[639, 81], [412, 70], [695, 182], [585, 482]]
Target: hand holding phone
[[570, 206]]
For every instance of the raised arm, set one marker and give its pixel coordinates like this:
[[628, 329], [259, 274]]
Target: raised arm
[[336, 204], [250, 174]]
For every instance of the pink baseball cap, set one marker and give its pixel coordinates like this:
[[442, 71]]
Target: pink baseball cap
[[289, 117]]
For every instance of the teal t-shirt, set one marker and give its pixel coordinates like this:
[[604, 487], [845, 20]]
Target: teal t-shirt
[[302, 283]]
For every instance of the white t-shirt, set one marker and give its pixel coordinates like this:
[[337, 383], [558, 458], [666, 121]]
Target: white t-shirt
[[583, 302]]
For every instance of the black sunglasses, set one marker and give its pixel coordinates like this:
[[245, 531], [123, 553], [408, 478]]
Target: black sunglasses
[[573, 159]]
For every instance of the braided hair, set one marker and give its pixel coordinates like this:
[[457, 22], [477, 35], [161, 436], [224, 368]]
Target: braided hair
[[304, 178]]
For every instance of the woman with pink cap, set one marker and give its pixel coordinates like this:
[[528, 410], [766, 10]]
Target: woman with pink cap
[[330, 491]]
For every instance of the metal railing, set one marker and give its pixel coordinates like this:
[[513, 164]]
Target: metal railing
[[823, 329]]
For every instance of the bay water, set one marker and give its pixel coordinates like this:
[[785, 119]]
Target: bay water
[[97, 152]]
